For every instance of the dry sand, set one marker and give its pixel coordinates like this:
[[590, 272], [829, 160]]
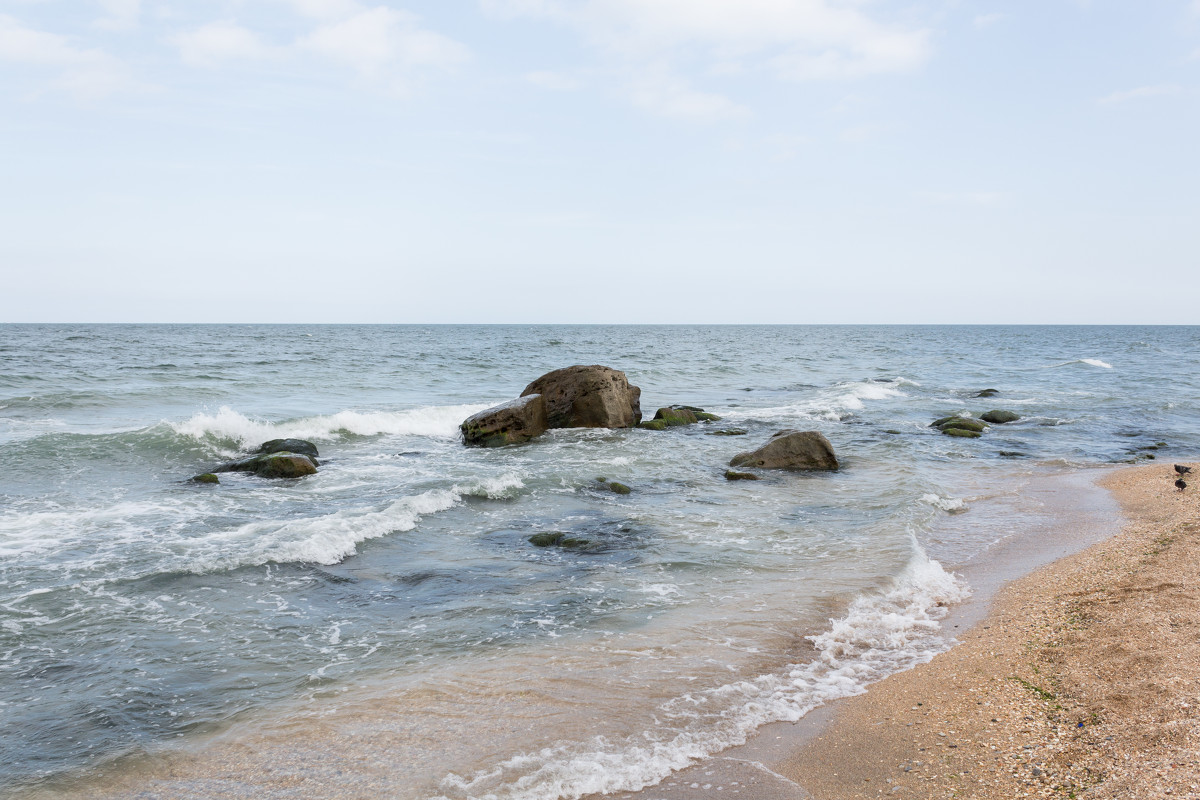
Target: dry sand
[[1083, 681]]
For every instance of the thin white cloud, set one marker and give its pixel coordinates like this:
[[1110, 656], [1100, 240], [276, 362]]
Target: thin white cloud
[[800, 40], [326, 9], [662, 93], [1139, 93], [377, 40], [987, 20], [219, 42], [88, 74], [120, 14]]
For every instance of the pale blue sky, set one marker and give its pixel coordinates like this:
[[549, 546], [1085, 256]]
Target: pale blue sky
[[782, 161]]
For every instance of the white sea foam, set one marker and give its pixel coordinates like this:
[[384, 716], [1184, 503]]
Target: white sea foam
[[950, 504], [1095, 362], [439, 421], [879, 635], [833, 403]]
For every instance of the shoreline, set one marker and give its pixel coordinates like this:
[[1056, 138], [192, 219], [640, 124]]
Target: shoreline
[[1052, 688]]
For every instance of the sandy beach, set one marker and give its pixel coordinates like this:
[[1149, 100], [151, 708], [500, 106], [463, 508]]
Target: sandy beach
[[1084, 680]]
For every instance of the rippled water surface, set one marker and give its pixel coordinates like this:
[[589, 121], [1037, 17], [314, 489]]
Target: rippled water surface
[[140, 612]]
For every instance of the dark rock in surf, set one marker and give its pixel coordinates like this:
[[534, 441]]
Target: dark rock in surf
[[988, 393], [946, 424], [508, 423], [997, 417], [962, 433], [804, 450], [730, 475], [728, 432], [300, 446], [653, 424], [206, 477], [284, 465], [588, 397]]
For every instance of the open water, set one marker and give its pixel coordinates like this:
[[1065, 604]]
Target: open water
[[140, 614]]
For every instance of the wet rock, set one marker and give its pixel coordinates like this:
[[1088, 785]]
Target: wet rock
[[959, 423], [284, 465], [206, 477], [962, 433], [513, 422], [704, 416], [653, 424], [301, 446], [730, 475], [988, 393], [728, 432], [588, 397], [558, 539], [676, 416], [806, 450], [997, 417]]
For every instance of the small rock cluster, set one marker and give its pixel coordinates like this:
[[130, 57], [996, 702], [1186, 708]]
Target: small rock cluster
[[278, 458]]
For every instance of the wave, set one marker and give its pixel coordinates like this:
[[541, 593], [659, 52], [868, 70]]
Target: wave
[[834, 403], [879, 635], [1095, 362], [435, 421], [951, 505]]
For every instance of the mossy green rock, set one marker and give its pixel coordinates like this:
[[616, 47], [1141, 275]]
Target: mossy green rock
[[962, 433], [730, 475], [207, 477], [998, 417], [704, 416], [284, 465], [618, 488], [654, 424], [728, 432], [676, 416], [962, 424]]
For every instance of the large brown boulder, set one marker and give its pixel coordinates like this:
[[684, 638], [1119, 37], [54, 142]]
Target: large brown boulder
[[508, 423], [588, 397], [790, 450]]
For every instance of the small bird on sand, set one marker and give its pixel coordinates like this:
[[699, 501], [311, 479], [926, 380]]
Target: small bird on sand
[[1182, 470], [1180, 485]]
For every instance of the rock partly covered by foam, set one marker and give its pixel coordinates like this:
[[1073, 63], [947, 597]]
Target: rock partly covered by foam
[[508, 423], [963, 427], [808, 450], [588, 397], [274, 459]]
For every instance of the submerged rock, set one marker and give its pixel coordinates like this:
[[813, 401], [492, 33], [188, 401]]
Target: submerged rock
[[728, 432], [206, 477], [653, 424], [301, 446], [508, 423], [588, 397], [962, 433], [730, 475], [988, 393], [998, 417], [807, 450]]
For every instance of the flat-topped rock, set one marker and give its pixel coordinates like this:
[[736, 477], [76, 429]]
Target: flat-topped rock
[[508, 423], [588, 397], [807, 450]]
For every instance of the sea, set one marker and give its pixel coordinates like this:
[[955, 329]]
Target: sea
[[386, 625]]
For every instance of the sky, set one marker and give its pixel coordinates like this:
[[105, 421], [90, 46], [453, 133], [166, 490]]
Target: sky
[[600, 161]]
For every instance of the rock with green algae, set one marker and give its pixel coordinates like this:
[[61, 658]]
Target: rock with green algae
[[704, 416], [206, 477], [284, 465], [959, 423], [728, 432], [998, 417], [653, 424], [613, 486], [962, 433], [731, 475], [676, 416]]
